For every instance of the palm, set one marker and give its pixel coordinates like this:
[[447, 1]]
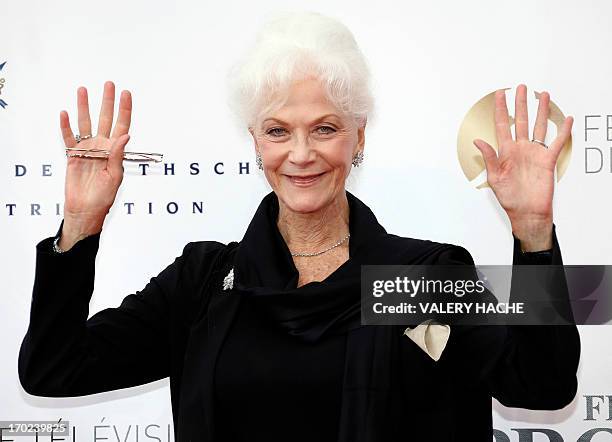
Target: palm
[[87, 179], [522, 174], [92, 184]]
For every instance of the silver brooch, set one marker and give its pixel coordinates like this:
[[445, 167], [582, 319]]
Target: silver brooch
[[228, 281]]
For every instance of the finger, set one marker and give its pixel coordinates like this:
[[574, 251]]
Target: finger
[[122, 126], [521, 123], [502, 122], [490, 157], [562, 136], [67, 134], [83, 109], [114, 164], [106, 111], [541, 124]]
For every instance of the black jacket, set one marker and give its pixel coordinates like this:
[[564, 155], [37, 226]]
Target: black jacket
[[392, 390]]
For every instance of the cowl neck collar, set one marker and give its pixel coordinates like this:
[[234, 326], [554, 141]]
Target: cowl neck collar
[[265, 273]]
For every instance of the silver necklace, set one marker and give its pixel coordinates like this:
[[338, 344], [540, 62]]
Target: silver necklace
[[323, 251]]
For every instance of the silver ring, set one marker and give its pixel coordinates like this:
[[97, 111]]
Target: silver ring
[[539, 142], [78, 137]]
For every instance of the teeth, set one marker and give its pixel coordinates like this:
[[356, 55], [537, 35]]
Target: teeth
[[307, 179]]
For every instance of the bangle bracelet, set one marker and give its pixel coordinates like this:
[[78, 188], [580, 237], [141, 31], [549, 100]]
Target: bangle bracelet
[[538, 253], [56, 247], [541, 256]]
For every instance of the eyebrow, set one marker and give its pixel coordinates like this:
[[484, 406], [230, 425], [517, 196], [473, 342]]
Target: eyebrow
[[317, 120]]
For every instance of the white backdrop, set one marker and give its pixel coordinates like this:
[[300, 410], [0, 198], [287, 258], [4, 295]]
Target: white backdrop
[[431, 61]]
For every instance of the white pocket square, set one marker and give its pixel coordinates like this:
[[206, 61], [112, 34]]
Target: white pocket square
[[430, 336]]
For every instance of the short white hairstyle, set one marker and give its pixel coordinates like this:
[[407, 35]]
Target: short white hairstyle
[[293, 46]]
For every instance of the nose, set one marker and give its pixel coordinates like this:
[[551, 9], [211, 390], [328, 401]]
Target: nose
[[301, 151]]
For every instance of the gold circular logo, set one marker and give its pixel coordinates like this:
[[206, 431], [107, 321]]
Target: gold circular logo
[[479, 122]]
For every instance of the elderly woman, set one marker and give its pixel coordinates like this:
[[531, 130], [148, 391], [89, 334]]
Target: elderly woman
[[262, 338]]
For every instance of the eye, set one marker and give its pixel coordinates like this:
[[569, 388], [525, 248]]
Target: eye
[[276, 131], [327, 130]]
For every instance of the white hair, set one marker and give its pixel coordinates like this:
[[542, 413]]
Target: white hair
[[294, 46]]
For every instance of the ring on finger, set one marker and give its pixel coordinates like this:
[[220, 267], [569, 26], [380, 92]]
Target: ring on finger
[[539, 142], [79, 137]]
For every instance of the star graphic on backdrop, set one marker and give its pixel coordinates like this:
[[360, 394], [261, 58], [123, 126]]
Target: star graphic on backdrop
[[3, 103]]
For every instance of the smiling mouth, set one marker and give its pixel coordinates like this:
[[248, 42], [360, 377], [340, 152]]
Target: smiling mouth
[[304, 180]]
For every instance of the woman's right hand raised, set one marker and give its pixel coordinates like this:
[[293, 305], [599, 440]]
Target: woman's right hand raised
[[92, 183]]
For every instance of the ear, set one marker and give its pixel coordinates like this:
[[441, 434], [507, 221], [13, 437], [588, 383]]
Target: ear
[[361, 135], [254, 138]]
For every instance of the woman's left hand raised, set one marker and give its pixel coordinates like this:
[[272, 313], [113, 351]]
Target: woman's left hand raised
[[522, 174]]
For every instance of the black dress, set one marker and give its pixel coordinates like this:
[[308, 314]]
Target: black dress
[[236, 374], [280, 384]]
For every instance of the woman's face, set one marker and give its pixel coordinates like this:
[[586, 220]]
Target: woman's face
[[307, 147]]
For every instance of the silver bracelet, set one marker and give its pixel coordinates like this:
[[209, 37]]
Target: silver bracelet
[[56, 247]]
